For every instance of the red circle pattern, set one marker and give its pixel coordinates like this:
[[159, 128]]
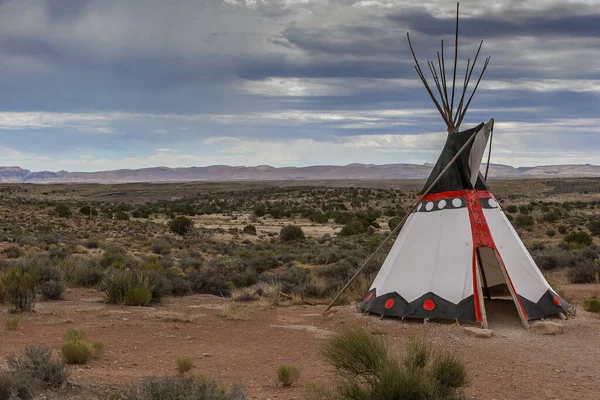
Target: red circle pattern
[[428, 305], [556, 300], [369, 297], [389, 304]]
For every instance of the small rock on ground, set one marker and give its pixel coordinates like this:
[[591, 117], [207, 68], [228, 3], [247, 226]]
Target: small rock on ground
[[479, 332], [546, 327]]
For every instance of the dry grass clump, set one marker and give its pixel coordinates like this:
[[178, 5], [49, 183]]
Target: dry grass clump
[[183, 388], [169, 316], [78, 351], [235, 312], [591, 305], [37, 367], [287, 375], [12, 323], [258, 291], [184, 364], [366, 369]]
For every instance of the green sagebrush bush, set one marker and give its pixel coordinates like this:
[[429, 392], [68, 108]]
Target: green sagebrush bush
[[291, 232], [366, 369], [20, 288]]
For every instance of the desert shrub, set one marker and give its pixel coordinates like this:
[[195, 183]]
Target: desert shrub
[[87, 210], [319, 218], [291, 232], [184, 388], [14, 387], [585, 271], [525, 210], [287, 375], [553, 258], [81, 271], [12, 252], [209, 280], [524, 220], [140, 213], [41, 266], [137, 297], [21, 288], [551, 233], [592, 305], [562, 229], [235, 312], [181, 225], [538, 246], [249, 230], [12, 323], [566, 205], [151, 263], [97, 349], [122, 216], [62, 210], [258, 291], [593, 226], [367, 370], [91, 244], [184, 364], [76, 352], [393, 223], [512, 209], [578, 239], [354, 227], [52, 290], [161, 246], [180, 286], [75, 334], [112, 255], [119, 284], [551, 217], [40, 365]]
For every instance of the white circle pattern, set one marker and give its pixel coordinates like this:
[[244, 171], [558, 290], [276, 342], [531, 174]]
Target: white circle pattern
[[492, 203], [457, 202], [441, 204], [429, 206]]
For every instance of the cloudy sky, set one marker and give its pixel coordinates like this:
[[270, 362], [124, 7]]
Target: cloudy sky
[[90, 85]]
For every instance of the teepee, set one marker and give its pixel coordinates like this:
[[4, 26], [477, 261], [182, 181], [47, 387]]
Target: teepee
[[457, 244]]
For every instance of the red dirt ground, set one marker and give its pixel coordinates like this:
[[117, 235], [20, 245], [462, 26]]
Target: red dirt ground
[[513, 364]]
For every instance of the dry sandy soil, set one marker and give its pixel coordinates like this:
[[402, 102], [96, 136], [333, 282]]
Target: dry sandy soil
[[140, 341]]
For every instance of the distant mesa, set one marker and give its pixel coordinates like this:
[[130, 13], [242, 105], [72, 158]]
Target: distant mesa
[[214, 173]]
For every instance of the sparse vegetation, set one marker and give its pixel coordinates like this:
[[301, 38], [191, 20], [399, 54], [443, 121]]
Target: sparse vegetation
[[184, 364], [235, 312], [367, 370], [184, 388], [291, 232], [20, 288], [76, 350], [287, 375], [578, 239], [12, 323], [592, 305], [40, 365], [249, 230], [181, 225]]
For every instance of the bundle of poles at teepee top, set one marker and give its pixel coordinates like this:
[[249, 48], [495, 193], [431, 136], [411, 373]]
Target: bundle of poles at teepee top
[[452, 117]]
